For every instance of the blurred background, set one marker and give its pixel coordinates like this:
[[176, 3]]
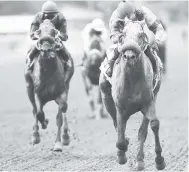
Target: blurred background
[[95, 139]]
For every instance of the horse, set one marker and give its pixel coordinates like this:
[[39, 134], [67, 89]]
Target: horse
[[90, 74], [132, 90], [49, 81]]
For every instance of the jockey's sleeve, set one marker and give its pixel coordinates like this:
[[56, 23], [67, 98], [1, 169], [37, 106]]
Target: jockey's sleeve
[[35, 25], [154, 25], [116, 26], [63, 27]]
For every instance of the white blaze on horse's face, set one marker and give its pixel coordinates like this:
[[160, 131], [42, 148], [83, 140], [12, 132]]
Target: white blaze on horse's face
[[46, 50]]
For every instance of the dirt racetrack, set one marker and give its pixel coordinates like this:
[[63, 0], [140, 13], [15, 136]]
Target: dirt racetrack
[[92, 142]]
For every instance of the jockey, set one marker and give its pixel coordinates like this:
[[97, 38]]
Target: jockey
[[127, 9], [94, 29], [49, 11]]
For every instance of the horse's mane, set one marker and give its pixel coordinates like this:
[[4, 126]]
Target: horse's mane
[[47, 27], [47, 23], [130, 45], [135, 36]]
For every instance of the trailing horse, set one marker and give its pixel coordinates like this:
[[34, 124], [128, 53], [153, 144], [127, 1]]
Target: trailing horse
[[133, 90], [91, 73], [48, 81]]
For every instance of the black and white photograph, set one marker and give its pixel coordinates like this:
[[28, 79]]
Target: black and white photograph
[[94, 85]]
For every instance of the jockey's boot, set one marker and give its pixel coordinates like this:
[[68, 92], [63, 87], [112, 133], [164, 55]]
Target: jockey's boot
[[31, 54], [65, 57], [111, 60], [155, 60]]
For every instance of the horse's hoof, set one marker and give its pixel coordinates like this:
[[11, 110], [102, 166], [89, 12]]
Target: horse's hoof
[[45, 123], [66, 140], [57, 147], [121, 157], [160, 163], [122, 160], [139, 165], [35, 138]]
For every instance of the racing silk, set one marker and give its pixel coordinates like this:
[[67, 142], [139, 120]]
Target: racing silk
[[88, 37], [117, 25], [59, 21]]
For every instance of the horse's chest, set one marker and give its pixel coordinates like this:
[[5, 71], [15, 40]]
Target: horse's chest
[[49, 88]]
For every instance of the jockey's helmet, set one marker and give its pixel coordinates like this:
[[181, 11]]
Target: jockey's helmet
[[49, 7], [125, 9], [139, 14], [98, 25]]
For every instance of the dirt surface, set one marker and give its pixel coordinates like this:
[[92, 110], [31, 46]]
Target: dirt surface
[[92, 142]]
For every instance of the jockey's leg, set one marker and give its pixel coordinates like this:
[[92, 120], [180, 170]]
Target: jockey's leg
[[112, 55], [156, 61], [69, 66], [31, 54]]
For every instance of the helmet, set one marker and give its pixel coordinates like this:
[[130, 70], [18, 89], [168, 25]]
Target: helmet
[[98, 24], [49, 7], [125, 9]]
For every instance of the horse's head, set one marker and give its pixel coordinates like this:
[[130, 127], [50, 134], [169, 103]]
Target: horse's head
[[134, 41], [95, 57], [46, 42]]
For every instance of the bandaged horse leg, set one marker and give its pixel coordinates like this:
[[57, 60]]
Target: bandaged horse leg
[[150, 113], [100, 104], [142, 133], [62, 102], [122, 141], [106, 93], [40, 114], [88, 89], [30, 92]]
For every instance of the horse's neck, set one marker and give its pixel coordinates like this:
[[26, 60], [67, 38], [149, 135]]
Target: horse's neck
[[47, 68]]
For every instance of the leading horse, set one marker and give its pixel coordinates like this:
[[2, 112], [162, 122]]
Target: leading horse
[[49, 81], [132, 90]]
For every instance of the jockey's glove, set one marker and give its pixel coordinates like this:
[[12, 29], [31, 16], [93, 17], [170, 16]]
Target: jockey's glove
[[155, 46], [116, 38], [63, 37]]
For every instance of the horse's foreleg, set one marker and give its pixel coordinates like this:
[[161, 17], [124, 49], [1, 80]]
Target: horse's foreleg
[[88, 89], [150, 113], [40, 114], [62, 102], [106, 93], [59, 122], [30, 92], [142, 134], [122, 142]]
